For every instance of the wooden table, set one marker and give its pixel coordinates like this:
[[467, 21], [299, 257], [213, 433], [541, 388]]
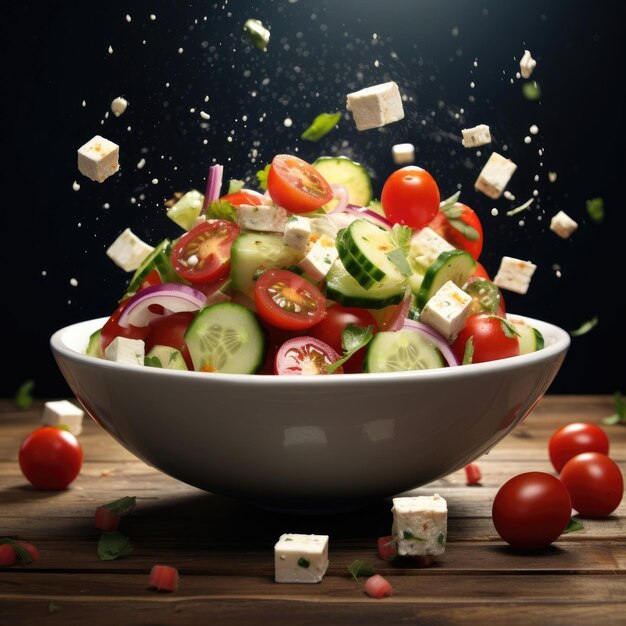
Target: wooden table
[[224, 548]]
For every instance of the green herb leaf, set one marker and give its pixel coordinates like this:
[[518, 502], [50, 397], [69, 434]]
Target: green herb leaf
[[507, 328], [531, 90], [361, 568], [585, 327], [152, 361], [573, 525], [122, 506], [401, 236], [321, 126], [221, 210], [22, 555], [398, 258], [112, 545], [595, 209], [302, 562], [520, 208], [353, 338], [447, 205], [407, 534], [468, 354], [261, 176], [469, 232], [24, 394], [620, 411], [235, 185], [53, 607], [258, 35], [441, 539]]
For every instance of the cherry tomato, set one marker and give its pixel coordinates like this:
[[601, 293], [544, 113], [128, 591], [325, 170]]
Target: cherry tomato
[[111, 329], [305, 356], [169, 330], [531, 510], [330, 328], [480, 271], [203, 254], [286, 300], [572, 439], [594, 482], [492, 339], [461, 227], [486, 296], [378, 587], [245, 196], [410, 196], [296, 185], [50, 458]]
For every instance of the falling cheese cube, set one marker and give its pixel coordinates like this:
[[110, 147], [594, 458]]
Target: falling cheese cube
[[563, 225], [376, 106], [128, 251], [514, 274], [403, 153], [495, 175], [477, 136], [98, 159], [527, 64]]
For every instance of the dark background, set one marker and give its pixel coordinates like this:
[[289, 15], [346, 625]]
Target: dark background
[[455, 61]]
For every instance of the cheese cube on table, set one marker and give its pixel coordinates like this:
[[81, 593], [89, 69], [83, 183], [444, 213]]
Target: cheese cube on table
[[563, 225], [403, 153], [63, 413], [376, 106], [426, 245], [514, 274], [126, 350], [447, 310], [420, 525], [527, 64], [495, 175], [128, 251], [263, 218], [321, 255], [98, 159], [297, 232], [477, 136], [300, 558]]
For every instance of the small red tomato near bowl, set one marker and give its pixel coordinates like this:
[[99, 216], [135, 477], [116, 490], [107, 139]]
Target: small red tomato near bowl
[[491, 337], [576, 438]]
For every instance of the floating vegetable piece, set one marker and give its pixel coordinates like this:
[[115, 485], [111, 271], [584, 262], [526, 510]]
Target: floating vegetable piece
[[520, 208], [595, 209], [584, 328], [531, 90], [24, 394], [261, 176], [257, 33], [321, 126], [620, 411]]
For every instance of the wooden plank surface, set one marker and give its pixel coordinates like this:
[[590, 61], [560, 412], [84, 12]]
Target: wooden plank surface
[[224, 548]]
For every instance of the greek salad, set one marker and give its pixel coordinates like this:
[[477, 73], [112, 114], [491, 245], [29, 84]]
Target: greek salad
[[309, 275]]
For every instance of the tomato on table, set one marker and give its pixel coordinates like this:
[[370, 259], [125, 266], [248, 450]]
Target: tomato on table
[[111, 328], [305, 356], [169, 330], [492, 338], [50, 458], [461, 227], [473, 474], [203, 254], [244, 196], [296, 185], [410, 196], [378, 587], [531, 510], [572, 439], [164, 578], [288, 301]]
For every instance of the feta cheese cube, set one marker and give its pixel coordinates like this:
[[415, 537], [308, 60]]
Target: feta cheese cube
[[376, 106], [403, 153], [63, 413], [300, 558], [563, 225], [118, 106], [426, 245], [263, 218], [321, 255], [514, 274], [495, 175], [128, 251], [476, 136], [527, 64], [447, 310], [420, 525], [125, 350], [98, 159], [297, 232]]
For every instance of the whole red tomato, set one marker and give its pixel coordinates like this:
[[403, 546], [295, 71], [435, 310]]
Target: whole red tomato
[[492, 338], [112, 329], [461, 227], [169, 330], [573, 439], [50, 458]]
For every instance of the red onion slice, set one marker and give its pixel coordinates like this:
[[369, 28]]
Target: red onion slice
[[372, 216], [213, 186], [400, 316], [436, 338], [340, 193], [171, 296]]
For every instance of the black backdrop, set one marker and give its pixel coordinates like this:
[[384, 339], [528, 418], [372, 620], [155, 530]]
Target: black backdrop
[[454, 61]]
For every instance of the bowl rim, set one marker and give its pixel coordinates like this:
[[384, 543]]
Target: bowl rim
[[557, 343]]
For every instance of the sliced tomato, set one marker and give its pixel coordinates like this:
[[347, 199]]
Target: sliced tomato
[[245, 196], [305, 356], [378, 587], [164, 578], [112, 329], [7, 555], [473, 474], [460, 226], [296, 185], [287, 300], [169, 330], [203, 254], [153, 278]]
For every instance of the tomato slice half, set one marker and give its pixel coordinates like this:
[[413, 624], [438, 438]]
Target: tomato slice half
[[296, 185], [288, 301], [305, 356], [203, 254], [244, 196]]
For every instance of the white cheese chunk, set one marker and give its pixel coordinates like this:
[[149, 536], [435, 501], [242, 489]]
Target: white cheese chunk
[[126, 350], [375, 106], [426, 245], [447, 310], [264, 218], [420, 525], [563, 225], [300, 558], [527, 64], [98, 159], [403, 153], [514, 274], [477, 136], [318, 260], [128, 251], [63, 413], [297, 232], [495, 175], [118, 106]]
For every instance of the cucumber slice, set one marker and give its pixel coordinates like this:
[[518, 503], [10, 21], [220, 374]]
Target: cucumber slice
[[165, 357], [343, 288], [158, 259], [226, 337], [93, 345], [400, 351], [455, 265], [351, 265], [353, 176], [529, 338], [187, 209], [253, 251]]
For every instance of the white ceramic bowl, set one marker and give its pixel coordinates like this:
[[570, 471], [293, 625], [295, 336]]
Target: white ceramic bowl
[[308, 443]]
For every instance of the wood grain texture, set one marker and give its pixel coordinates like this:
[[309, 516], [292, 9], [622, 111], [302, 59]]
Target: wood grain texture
[[224, 548]]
